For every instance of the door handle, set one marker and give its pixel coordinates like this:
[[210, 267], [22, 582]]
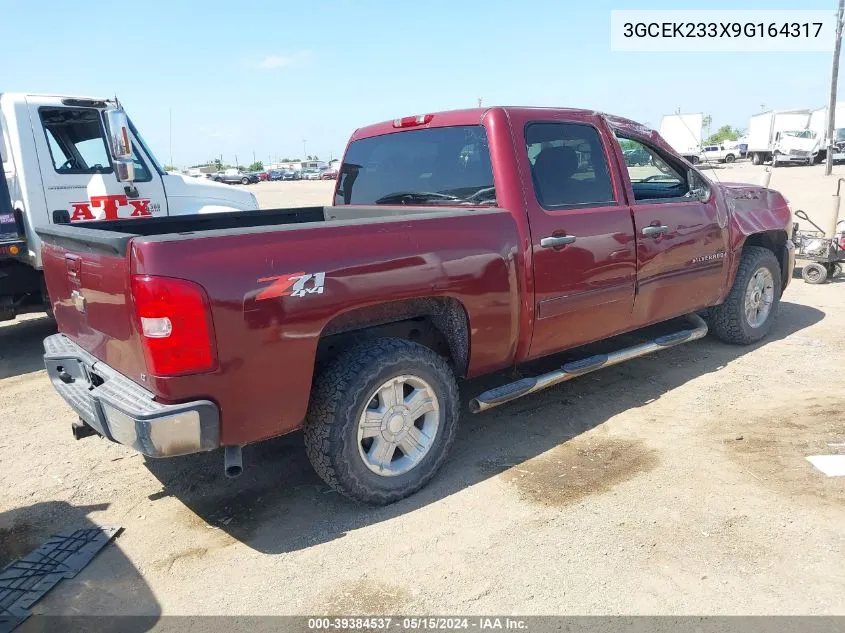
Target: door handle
[[557, 241], [651, 231]]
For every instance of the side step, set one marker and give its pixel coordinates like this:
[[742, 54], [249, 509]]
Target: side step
[[573, 369]]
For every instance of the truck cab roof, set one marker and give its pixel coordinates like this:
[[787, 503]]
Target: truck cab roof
[[469, 116]]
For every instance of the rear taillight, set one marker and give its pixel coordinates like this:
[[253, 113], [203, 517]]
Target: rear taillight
[[174, 322]]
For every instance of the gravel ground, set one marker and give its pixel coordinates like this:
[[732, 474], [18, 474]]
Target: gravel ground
[[674, 484]]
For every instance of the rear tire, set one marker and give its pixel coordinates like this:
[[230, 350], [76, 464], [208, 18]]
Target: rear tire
[[342, 447], [814, 273], [730, 158], [732, 321], [244, 181]]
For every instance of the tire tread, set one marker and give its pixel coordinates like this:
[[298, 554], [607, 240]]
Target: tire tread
[[331, 407], [726, 320]]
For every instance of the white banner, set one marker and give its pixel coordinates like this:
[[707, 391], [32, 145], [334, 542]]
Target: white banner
[[713, 30]]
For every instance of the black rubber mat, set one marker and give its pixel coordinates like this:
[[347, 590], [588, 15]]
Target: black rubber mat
[[25, 581]]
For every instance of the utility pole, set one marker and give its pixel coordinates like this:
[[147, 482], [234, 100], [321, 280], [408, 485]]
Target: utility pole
[[303, 146], [479, 102], [170, 116], [834, 79]]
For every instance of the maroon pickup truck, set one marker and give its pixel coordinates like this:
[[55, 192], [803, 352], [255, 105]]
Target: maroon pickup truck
[[459, 243]]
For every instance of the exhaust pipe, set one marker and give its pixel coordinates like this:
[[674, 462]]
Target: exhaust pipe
[[233, 464], [512, 391], [82, 430]]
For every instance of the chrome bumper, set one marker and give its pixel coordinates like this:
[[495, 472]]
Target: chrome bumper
[[123, 411]]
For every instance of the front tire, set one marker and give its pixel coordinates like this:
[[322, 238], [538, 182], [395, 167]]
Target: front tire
[[244, 181], [381, 420], [747, 313]]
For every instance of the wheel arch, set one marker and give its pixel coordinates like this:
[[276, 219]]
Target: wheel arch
[[439, 323], [775, 241]]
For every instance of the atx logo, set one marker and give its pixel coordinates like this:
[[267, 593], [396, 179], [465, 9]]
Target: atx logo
[[292, 285], [110, 206]]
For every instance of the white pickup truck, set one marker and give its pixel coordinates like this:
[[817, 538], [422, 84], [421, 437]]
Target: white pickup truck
[[69, 159], [719, 154]]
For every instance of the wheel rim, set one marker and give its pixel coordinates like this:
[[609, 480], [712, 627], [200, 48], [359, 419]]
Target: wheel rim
[[813, 274], [759, 297], [398, 426]]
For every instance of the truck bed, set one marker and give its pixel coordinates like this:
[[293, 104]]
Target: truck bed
[[397, 258], [114, 236]]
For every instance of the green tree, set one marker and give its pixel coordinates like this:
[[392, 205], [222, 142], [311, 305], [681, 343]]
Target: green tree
[[706, 122], [171, 168], [724, 133], [256, 166]]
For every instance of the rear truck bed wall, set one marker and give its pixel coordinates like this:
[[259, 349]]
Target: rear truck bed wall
[[459, 263]]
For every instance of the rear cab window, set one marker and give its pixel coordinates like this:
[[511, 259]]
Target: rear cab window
[[446, 166], [568, 165]]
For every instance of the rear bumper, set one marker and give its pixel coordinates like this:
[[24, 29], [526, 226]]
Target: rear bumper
[[123, 411]]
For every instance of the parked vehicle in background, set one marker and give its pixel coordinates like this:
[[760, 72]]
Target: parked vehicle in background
[[290, 174], [276, 174], [356, 320], [636, 157], [235, 176], [72, 159], [311, 174], [782, 136], [683, 133], [719, 154], [818, 124], [262, 175], [329, 174]]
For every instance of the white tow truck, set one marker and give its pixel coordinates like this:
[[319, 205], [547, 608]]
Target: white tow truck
[[73, 159]]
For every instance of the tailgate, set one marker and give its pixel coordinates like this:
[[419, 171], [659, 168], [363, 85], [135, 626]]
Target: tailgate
[[87, 273]]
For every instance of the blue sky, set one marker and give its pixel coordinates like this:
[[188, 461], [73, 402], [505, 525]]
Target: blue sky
[[261, 76]]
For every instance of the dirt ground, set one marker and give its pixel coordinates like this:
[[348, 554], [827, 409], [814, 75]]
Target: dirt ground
[[674, 484]]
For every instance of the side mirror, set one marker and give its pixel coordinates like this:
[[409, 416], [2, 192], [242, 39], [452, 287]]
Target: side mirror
[[120, 144], [124, 170], [699, 190]]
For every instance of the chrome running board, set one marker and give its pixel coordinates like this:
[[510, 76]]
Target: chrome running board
[[573, 369]]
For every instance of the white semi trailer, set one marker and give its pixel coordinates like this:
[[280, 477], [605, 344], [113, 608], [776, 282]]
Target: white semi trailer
[[683, 133]]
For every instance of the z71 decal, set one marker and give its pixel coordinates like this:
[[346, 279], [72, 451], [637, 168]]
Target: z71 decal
[[292, 285]]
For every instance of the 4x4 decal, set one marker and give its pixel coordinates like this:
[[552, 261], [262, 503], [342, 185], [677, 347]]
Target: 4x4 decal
[[292, 285]]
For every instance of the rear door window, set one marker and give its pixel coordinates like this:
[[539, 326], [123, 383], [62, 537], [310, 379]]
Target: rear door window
[[436, 166], [568, 165]]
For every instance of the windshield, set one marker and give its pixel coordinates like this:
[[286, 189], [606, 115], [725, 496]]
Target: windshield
[[435, 166], [839, 134], [151, 156]]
